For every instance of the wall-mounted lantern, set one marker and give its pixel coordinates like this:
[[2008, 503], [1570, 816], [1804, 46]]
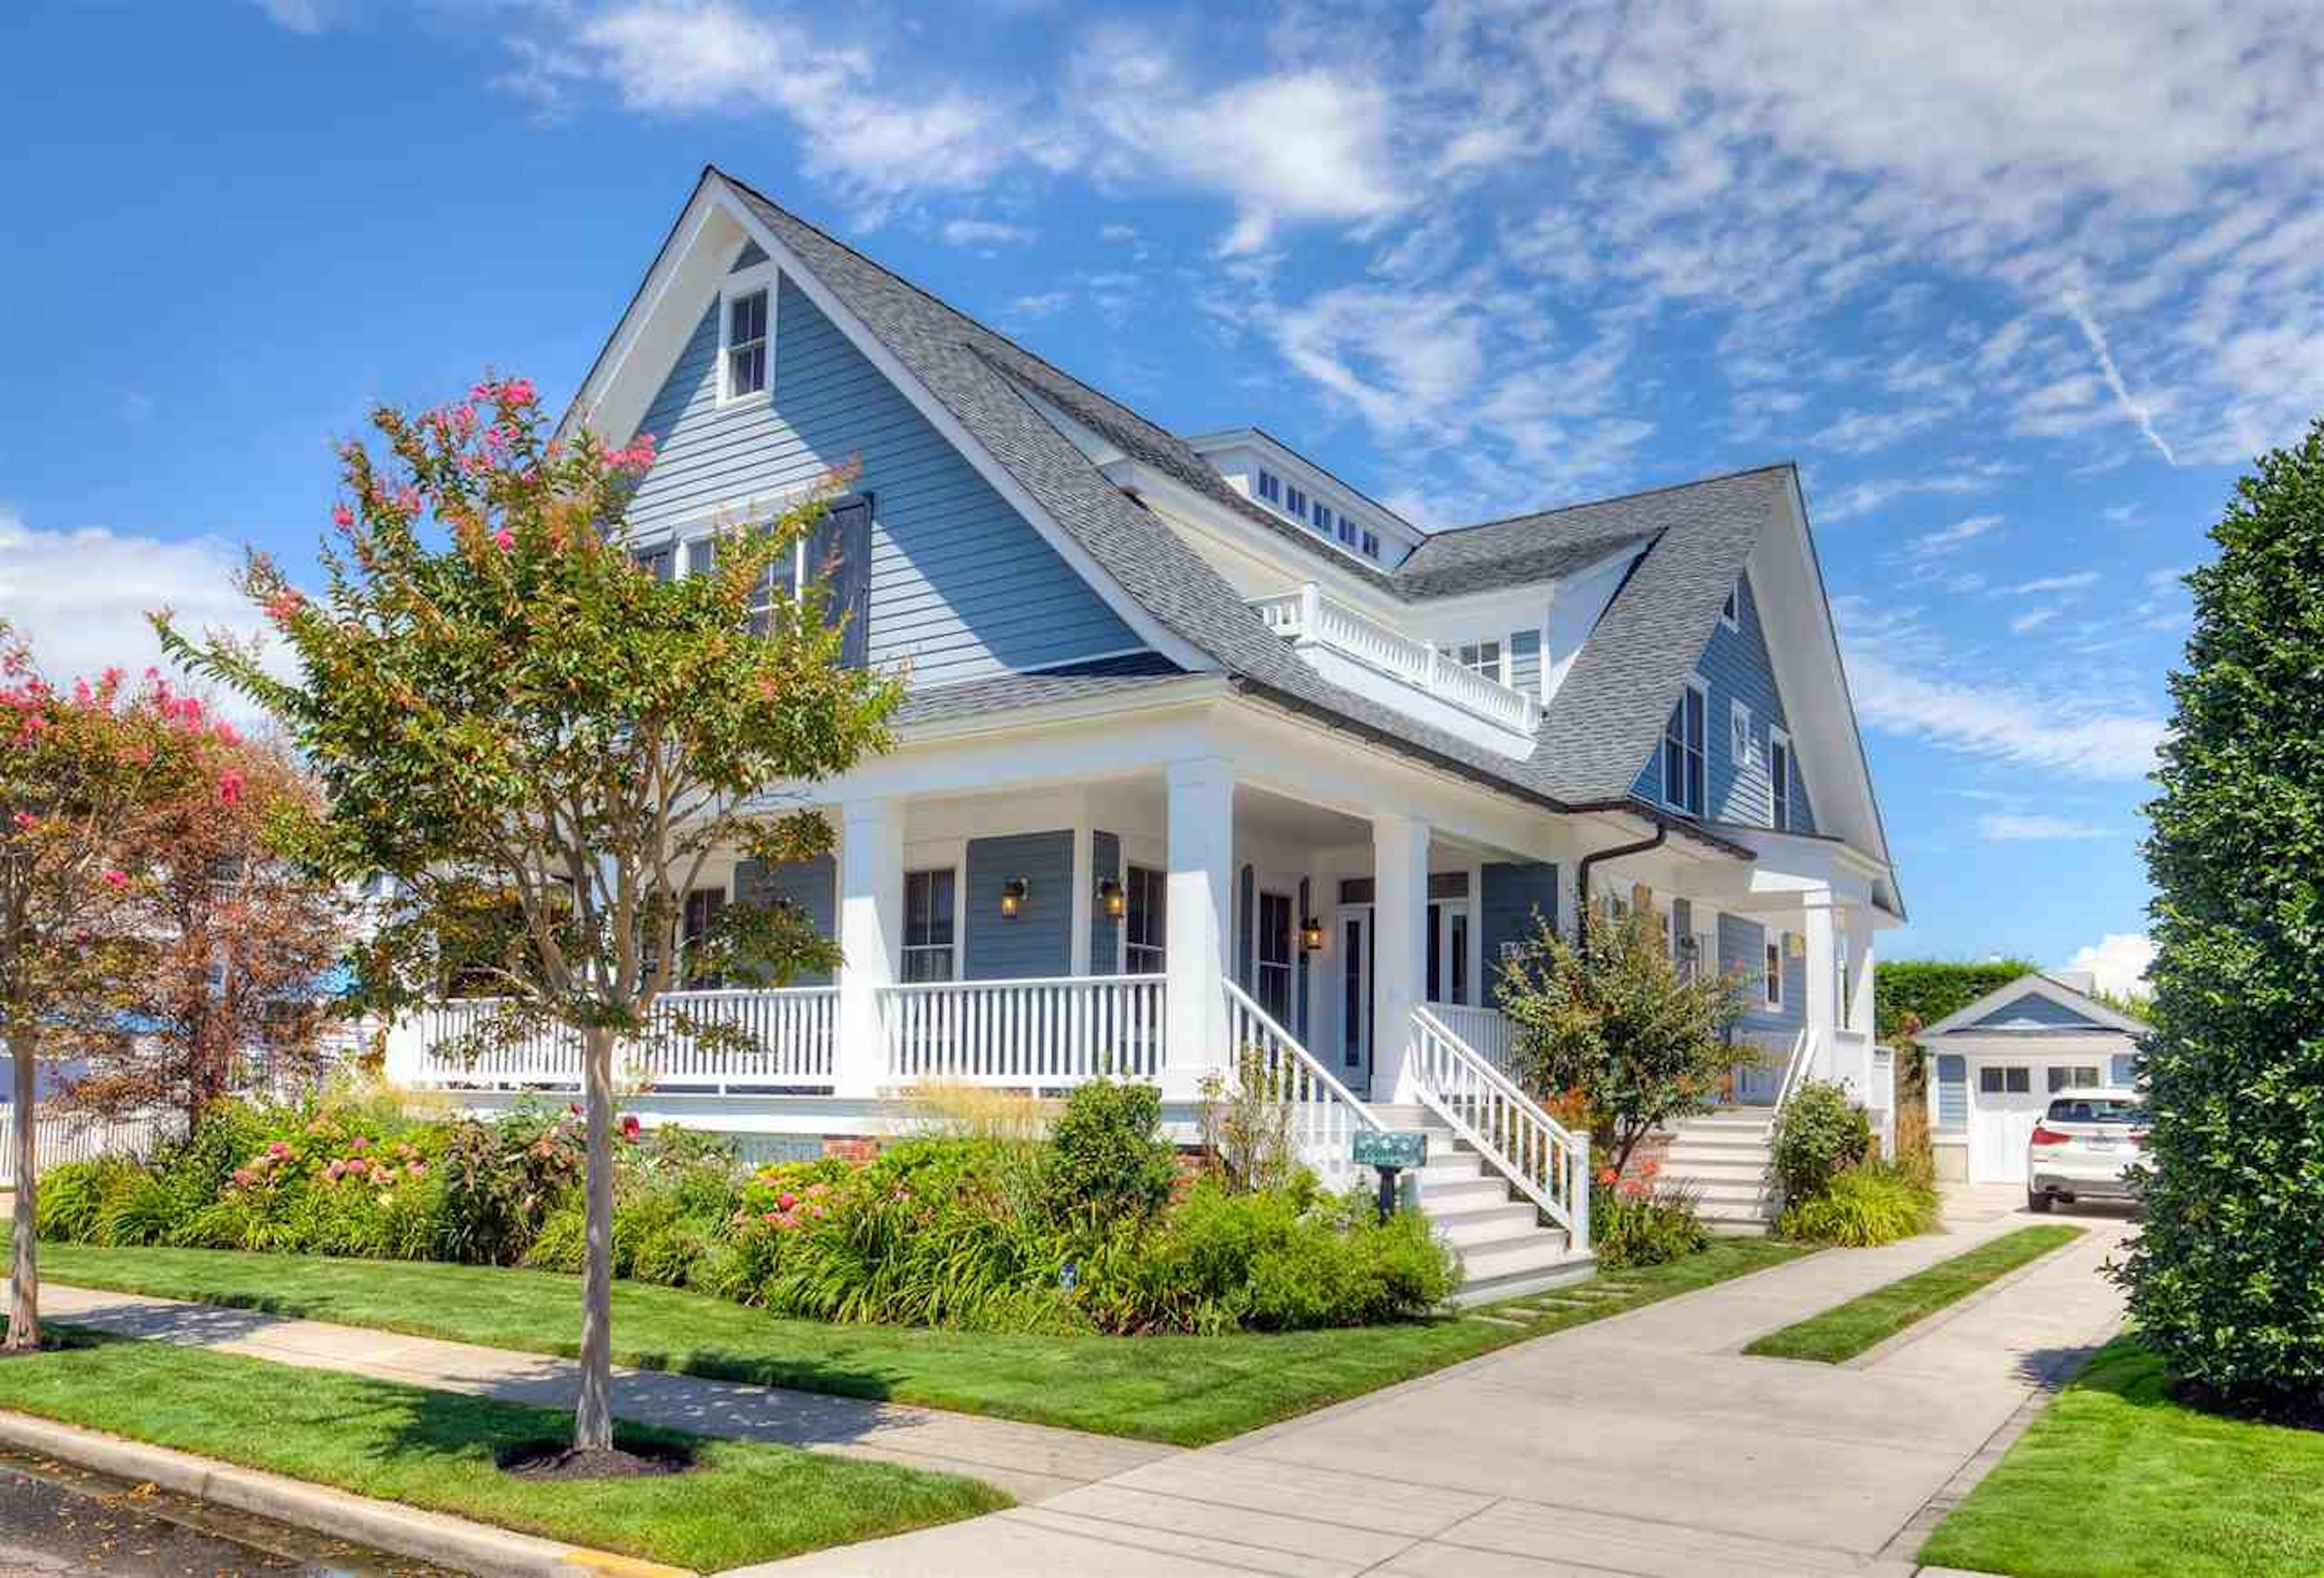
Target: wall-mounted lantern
[[1311, 935], [1013, 894], [1113, 897], [1796, 945]]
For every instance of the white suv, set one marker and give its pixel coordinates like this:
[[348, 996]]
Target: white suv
[[2086, 1146]]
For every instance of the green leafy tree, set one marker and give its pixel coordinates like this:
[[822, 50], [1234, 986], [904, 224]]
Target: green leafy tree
[[542, 745], [83, 773], [1608, 1026], [2227, 1277]]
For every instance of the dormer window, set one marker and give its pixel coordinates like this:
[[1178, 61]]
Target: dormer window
[[1347, 531], [1323, 517], [1483, 658], [1270, 487], [746, 345], [1730, 614], [1294, 502], [1372, 545]]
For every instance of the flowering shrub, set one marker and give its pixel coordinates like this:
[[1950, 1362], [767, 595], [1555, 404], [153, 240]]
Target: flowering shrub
[[1644, 1219]]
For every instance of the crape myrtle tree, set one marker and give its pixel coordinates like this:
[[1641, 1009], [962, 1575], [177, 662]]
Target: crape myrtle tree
[[1607, 1027], [233, 982], [540, 745], [2226, 1274], [82, 773]]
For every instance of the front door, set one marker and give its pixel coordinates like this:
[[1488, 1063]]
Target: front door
[[1356, 957]]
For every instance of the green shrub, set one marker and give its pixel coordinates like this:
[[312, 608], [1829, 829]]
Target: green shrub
[[561, 1242], [1107, 1157], [1648, 1221], [1819, 1135], [72, 1199], [1873, 1205]]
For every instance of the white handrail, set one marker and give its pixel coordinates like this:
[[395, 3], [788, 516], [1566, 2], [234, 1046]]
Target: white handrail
[[1549, 1163], [1325, 1115], [1041, 1032], [1796, 1069], [789, 1035]]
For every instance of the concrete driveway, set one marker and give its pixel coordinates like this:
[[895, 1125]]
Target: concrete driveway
[[1645, 1443]]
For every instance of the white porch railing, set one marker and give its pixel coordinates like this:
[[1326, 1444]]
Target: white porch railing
[[1308, 616], [59, 1138], [1053, 1031], [1487, 1031], [1324, 1115], [795, 1030], [1549, 1163]]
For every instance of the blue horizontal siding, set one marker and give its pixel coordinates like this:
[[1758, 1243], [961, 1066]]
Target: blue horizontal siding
[[1040, 941], [2036, 1010], [962, 586], [1105, 932], [1516, 897], [813, 885], [1743, 950], [1735, 666]]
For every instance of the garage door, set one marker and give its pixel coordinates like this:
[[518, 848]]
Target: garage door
[[2005, 1099]]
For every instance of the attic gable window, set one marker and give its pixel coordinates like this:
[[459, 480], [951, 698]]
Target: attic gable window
[[1684, 753], [746, 345], [1730, 612]]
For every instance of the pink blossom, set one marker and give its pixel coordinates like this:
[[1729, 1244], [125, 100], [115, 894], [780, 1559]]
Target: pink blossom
[[631, 1127], [244, 1177], [504, 540], [225, 734], [519, 391], [416, 1167], [284, 605], [787, 1200], [360, 1142], [116, 879], [278, 1149], [26, 821], [341, 516], [230, 786]]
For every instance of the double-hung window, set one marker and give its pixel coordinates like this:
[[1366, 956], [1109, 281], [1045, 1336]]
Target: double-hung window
[[1270, 487], [1372, 545], [1347, 531], [1274, 955], [1683, 765], [1295, 502], [1779, 781], [927, 925], [1772, 982], [1483, 658], [1142, 935], [746, 345], [1323, 517]]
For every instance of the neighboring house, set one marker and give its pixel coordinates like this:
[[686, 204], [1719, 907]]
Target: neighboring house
[[1206, 748], [1995, 1065]]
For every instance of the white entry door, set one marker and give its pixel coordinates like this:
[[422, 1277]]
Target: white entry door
[[2006, 1100]]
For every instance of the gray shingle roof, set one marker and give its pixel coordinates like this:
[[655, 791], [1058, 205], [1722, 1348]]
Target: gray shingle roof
[[1603, 721]]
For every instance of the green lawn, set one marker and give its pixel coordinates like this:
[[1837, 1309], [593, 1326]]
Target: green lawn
[[1187, 1391], [1846, 1330], [743, 1502], [2116, 1480]]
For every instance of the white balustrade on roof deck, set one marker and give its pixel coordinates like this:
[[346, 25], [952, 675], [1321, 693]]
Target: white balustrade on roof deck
[[1309, 617]]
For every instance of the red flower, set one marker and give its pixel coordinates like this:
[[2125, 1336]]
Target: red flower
[[631, 1127], [230, 787]]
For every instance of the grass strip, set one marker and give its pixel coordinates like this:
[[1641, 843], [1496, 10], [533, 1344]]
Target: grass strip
[[1846, 1330], [2116, 1479], [741, 1502], [1188, 1391]]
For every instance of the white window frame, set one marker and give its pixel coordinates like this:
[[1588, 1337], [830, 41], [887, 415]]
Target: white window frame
[[1742, 736], [760, 279], [1496, 668], [1771, 987], [1779, 785], [1294, 501], [1372, 545], [1730, 612], [1696, 685], [1155, 884], [952, 950]]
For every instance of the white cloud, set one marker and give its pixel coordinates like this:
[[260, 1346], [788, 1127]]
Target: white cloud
[[81, 597], [1859, 432], [2118, 961], [1859, 498], [2032, 620], [2016, 826], [1953, 538], [301, 16], [2079, 580], [985, 233], [2137, 410]]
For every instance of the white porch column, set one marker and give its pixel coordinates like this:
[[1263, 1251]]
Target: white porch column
[[1400, 920], [1197, 925], [1085, 883], [870, 938], [1820, 928]]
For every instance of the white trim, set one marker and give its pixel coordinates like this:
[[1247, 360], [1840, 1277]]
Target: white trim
[[1730, 612], [1781, 739], [1963, 1021], [759, 279], [1695, 685], [1742, 734]]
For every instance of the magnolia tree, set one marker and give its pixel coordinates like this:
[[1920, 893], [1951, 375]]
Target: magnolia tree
[[1608, 1028], [82, 773], [245, 939], [543, 746]]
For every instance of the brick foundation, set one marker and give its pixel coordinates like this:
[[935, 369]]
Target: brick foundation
[[855, 1147]]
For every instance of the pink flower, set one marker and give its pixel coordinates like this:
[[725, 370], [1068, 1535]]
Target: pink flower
[[277, 1149], [360, 1142], [504, 540], [230, 786], [244, 1177], [341, 516], [787, 1200], [226, 733], [416, 1167], [26, 821], [519, 391], [116, 879], [631, 1127]]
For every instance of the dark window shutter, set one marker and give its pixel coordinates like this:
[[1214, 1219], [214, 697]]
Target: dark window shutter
[[841, 550], [1245, 926], [1299, 952]]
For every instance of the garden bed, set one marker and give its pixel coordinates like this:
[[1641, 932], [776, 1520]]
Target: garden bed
[[1184, 1391], [2117, 1479], [1845, 1330], [739, 1503]]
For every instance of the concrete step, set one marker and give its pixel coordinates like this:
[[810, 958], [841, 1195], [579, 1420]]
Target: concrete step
[[1463, 1195], [1732, 1192], [1512, 1272], [1477, 1232], [1720, 1169], [1452, 1168]]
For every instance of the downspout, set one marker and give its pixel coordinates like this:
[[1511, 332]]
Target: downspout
[[1582, 874]]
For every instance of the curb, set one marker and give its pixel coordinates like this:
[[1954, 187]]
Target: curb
[[434, 1537]]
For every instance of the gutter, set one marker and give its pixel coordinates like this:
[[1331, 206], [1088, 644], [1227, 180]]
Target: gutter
[[1581, 873]]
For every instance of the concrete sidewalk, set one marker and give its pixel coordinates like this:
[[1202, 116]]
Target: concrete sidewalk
[[1645, 1444], [1033, 1462]]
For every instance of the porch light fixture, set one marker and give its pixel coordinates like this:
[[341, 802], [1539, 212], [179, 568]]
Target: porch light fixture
[[1113, 897], [1013, 894], [1796, 945], [1311, 935]]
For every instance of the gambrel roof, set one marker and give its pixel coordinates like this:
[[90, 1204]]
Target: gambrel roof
[[1601, 722]]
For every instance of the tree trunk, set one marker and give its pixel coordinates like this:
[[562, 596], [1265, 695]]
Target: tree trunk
[[24, 1271], [593, 1421]]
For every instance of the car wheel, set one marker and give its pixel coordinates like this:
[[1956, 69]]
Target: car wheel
[[2037, 1202]]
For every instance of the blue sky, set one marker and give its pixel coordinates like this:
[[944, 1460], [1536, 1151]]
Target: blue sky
[[2021, 294]]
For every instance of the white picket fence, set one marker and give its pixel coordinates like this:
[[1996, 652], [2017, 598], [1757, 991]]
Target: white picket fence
[[59, 1138]]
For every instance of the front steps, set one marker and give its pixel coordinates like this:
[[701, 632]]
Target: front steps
[[1505, 1250], [1725, 1157]]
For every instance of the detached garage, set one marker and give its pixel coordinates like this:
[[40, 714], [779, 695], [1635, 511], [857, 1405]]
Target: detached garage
[[1994, 1067]]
